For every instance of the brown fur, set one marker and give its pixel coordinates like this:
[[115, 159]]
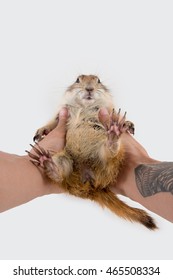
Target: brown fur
[[93, 156]]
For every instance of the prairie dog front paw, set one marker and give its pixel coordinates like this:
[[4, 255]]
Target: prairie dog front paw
[[43, 131]]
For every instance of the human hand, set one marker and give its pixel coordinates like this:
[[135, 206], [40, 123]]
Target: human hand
[[55, 140], [133, 149], [135, 154]]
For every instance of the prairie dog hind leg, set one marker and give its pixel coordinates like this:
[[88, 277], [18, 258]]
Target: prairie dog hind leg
[[57, 167]]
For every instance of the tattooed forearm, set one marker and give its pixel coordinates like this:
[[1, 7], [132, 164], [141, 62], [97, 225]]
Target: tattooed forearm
[[154, 178]]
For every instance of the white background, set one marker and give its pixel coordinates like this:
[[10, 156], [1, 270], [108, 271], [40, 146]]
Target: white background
[[44, 45]]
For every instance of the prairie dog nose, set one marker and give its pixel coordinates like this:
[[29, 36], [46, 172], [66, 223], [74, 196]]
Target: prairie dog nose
[[89, 89]]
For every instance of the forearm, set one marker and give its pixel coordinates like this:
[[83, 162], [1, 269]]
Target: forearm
[[140, 186], [21, 181], [154, 181]]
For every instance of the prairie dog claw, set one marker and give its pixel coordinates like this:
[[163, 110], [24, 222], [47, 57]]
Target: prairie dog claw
[[40, 134], [41, 156], [119, 125]]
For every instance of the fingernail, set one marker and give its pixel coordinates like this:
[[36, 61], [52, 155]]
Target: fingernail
[[63, 112], [104, 112]]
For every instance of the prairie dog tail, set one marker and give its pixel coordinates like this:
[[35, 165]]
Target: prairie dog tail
[[107, 198]]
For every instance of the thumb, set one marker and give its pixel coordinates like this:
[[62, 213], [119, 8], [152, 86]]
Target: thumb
[[104, 117], [62, 120]]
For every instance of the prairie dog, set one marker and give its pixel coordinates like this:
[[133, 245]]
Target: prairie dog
[[93, 155]]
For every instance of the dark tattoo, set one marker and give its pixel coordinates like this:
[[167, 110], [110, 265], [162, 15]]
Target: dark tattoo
[[154, 178]]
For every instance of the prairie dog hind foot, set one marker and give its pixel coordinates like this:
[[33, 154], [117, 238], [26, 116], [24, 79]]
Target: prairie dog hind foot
[[57, 166]]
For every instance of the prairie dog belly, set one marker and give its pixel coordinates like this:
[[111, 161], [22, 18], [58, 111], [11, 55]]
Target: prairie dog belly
[[85, 134]]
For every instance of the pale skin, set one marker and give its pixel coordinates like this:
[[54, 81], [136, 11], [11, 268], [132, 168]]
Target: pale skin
[[21, 181]]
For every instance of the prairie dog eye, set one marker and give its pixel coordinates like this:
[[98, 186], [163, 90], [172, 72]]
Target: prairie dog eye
[[77, 81], [99, 82]]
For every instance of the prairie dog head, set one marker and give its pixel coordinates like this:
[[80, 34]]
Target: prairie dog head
[[87, 90]]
